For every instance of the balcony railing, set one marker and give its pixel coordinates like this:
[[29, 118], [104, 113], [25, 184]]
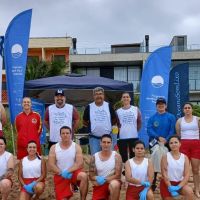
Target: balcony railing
[[141, 49]]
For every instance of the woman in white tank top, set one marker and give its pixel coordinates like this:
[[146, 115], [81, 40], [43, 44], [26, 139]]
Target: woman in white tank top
[[6, 169], [139, 174], [32, 172], [187, 128], [175, 172]]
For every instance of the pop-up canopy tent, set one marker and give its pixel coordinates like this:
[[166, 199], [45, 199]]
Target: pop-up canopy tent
[[78, 88]]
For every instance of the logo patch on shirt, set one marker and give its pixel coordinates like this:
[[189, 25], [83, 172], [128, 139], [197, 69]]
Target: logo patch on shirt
[[34, 121], [156, 124]]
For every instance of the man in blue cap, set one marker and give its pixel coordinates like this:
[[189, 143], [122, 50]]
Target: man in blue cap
[[160, 127]]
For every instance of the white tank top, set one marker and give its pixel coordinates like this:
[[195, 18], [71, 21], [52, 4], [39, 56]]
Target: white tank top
[[107, 167], [65, 157], [128, 121], [175, 167], [189, 130], [4, 162], [59, 117], [100, 119], [31, 168], [139, 171]]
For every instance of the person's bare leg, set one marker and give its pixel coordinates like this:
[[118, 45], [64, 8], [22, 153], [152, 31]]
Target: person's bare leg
[[24, 196], [150, 195], [195, 171], [83, 178], [114, 188], [5, 187], [38, 190], [187, 192]]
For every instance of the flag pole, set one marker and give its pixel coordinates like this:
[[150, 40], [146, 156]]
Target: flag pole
[[13, 140]]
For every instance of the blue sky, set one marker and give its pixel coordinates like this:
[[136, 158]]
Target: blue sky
[[99, 23]]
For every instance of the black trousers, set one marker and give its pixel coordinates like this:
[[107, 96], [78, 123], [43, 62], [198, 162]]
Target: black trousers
[[125, 146]]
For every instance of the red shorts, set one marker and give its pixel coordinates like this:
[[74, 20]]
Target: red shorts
[[191, 148], [27, 181], [101, 192], [132, 192], [63, 186], [164, 189]]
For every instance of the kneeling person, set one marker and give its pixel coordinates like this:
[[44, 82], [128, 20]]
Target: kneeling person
[[32, 173], [66, 161], [6, 169], [105, 171]]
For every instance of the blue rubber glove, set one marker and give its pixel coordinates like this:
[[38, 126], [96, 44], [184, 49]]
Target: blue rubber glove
[[100, 180], [65, 174], [29, 187], [145, 183], [173, 188], [143, 194]]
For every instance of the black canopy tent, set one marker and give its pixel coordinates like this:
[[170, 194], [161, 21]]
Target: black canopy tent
[[78, 88]]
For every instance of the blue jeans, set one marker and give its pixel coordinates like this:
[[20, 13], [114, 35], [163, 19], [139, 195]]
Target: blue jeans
[[95, 143]]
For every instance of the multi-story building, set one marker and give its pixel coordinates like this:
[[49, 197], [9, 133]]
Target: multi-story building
[[125, 62]]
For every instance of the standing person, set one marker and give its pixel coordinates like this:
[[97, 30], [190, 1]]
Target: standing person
[[28, 126], [129, 124], [105, 171], [3, 118], [66, 161], [58, 115], [159, 128], [175, 172], [6, 169], [99, 117], [139, 174], [32, 172], [187, 128]]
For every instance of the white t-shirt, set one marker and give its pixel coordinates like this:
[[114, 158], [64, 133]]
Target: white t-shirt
[[100, 119], [31, 168], [128, 121], [175, 167], [107, 167], [65, 158], [189, 130], [4, 162], [139, 171], [59, 117]]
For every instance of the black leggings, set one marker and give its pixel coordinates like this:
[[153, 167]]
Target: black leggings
[[124, 145]]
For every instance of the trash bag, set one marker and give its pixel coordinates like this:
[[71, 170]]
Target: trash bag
[[157, 152]]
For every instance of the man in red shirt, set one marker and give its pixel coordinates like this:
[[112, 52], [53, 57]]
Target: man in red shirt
[[28, 126]]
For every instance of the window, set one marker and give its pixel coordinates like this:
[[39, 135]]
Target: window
[[93, 71], [31, 59], [130, 74], [59, 58]]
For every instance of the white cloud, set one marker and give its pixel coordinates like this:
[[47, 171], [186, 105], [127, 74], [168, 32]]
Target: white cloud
[[101, 22]]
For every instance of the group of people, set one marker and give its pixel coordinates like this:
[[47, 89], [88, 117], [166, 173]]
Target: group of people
[[173, 146]]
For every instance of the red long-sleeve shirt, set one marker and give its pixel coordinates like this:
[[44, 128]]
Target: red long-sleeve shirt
[[28, 128]]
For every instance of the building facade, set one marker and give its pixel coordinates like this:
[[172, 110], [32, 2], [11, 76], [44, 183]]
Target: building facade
[[125, 62]]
